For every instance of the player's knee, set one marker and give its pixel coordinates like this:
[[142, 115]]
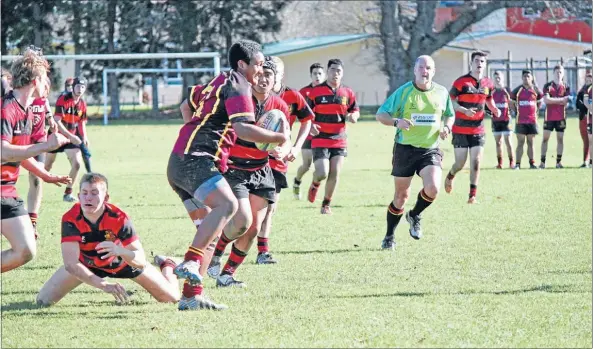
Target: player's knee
[[476, 165], [401, 196], [321, 175], [26, 254], [43, 300], [230, 208], [431, 190], [76, 165]]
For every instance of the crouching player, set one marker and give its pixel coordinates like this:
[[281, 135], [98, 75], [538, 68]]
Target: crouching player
[[98, 241]]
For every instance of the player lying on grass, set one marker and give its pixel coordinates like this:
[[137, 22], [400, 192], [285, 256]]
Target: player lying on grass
[[98, 241]]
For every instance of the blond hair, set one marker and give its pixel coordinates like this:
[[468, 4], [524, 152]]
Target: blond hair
[[30, 65], [279, 64]]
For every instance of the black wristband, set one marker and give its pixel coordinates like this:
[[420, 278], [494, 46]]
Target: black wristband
[[395, 122]]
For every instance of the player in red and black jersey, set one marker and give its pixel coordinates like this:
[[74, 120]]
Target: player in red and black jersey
[[556, 96], [317, 74], [583, 111], [42, 115], [225, 111], [501, 125], [470, 95], [98, 241], [298, 110], [29, 82], [333, 105], [252, 181], [588, 103], [526, 100], [71, 118]]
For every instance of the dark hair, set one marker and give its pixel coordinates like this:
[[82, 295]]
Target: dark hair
[[557, 67], [478, 54], [314, 66], [526, 71], [497, 72], [335, 61], [269, 64], [93, 177], [243, 50]]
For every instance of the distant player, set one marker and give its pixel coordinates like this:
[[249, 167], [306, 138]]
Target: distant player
[[5, 82], [333, 105], [526, 100], [252, 182], [42, 115], [201, 153], [71, 118], [29, 73], [501, 125], [583, 120], [471, 93], [68, 86], [416, 110], [556, 96], [317, 74], [99, 241], [298, 110], [588, 102]]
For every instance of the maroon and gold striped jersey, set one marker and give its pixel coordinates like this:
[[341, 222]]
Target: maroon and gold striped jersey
[[217, 105]]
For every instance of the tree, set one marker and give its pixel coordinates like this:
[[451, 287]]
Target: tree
[[407, 29]]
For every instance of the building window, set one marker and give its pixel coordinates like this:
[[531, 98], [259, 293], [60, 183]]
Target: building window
[[531, 13]]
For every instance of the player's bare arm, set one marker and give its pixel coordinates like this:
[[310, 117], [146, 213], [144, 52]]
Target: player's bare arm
[[555, 100], [37, 168], [353, 117], [11, 152], [70, 253], [492, 106], [464, 110], [63, 130], [186, 112], [387, 120], [253, 133], [133, 253]]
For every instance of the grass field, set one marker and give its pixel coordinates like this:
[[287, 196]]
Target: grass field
[[511, 271]]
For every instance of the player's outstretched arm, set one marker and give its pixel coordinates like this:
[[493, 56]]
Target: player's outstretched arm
[[11, 152], [253, 133], [37, 168], [186, 112], [70, 253]]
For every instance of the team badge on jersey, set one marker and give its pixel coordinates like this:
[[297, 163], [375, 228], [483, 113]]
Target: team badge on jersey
[[109, 236]]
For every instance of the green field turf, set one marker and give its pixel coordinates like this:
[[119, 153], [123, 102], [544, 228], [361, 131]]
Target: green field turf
[[511, 271]]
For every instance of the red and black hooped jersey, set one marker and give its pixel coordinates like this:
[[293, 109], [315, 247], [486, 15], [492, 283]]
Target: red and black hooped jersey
[[41, 112], [298, 109], [70, 113], [470, 93], [244, 155], [331, 107], [217, 105], [17, 128], [306, 90], [114, 225]]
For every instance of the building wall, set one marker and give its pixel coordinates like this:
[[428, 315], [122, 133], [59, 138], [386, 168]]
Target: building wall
[[524, 48], [362, 70]]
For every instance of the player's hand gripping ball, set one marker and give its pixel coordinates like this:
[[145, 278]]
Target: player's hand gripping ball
[[273, 120]]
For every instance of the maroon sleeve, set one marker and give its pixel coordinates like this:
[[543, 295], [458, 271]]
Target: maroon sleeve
[[193, 97], [237, 99], [7, 126], [353, 107], [539, 93], [514, 92], [567, 91], [546, 89]]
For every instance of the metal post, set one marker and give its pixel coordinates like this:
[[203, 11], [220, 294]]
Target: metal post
[[509, 77], [216, 62], [105, 97], [547, 69]]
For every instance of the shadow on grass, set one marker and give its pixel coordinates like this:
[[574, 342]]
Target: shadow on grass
[[345, 250], [41, 267], [542, 288], [15, 309], [582, 271]]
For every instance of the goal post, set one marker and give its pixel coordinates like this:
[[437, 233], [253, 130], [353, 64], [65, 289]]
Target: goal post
[[215, 56]]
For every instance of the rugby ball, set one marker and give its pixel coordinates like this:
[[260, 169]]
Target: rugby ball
[[271, 120]]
